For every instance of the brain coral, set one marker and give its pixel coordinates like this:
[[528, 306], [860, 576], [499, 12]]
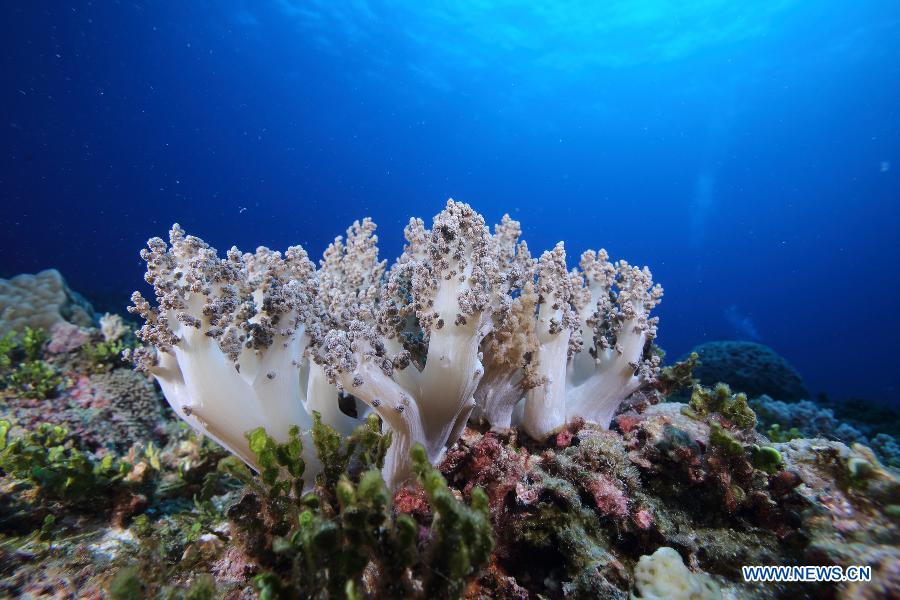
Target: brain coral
[[751, 368], [40, 301]]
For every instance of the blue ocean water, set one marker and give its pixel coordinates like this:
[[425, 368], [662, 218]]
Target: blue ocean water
[[748, 152]]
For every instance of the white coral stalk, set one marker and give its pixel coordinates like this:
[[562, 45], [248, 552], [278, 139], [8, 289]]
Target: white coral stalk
[[617, 331], [593, 334], [509, 370], [545, 405], [356, 362], [448, 282], [229, 336], [508, 351]]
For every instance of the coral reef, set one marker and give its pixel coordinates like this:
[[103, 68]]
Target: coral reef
[[465, 318], [103, 404], [782, 421], [40, 301], [749, 367], [104, 493], [653, 503]]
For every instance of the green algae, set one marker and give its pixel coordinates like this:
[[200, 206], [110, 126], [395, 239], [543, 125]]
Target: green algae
[[366, 445], [34, 379], [734, 407], [321, 543], [721, 438], [674, 378], [28, 347], [9, 343], [32, 342], [106, 355], [47, 461], [766, 458], [778, 435], [860, 469], [461, 536]]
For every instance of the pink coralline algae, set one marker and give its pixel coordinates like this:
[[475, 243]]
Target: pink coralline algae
[[66, 337], [488, 462], [643, 519], [608, 497]]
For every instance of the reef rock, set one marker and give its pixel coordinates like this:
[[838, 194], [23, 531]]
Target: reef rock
[[41, 301], [66, 337], [109, 411], [751, 368]]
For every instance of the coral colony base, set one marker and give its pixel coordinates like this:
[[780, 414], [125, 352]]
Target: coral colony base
[[464, 324]]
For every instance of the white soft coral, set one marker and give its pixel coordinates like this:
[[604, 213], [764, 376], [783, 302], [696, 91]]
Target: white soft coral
[[229, 337], [463, 318], [616, 331], [265, 339], [589, 347], [413, 356]]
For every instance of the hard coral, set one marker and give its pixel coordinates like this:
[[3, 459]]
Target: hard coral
[[784, 421], [748, 367], [664, 575], [40, 301], [136, 406]]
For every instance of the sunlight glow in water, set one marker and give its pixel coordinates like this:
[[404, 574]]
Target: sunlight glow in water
[[568, 36]]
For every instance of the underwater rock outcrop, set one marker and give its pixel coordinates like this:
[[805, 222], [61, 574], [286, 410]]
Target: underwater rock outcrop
[[464, 320], [783, 421], [749, 367], [41, 301]]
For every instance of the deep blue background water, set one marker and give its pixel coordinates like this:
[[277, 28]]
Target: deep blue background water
[[748, 153]]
